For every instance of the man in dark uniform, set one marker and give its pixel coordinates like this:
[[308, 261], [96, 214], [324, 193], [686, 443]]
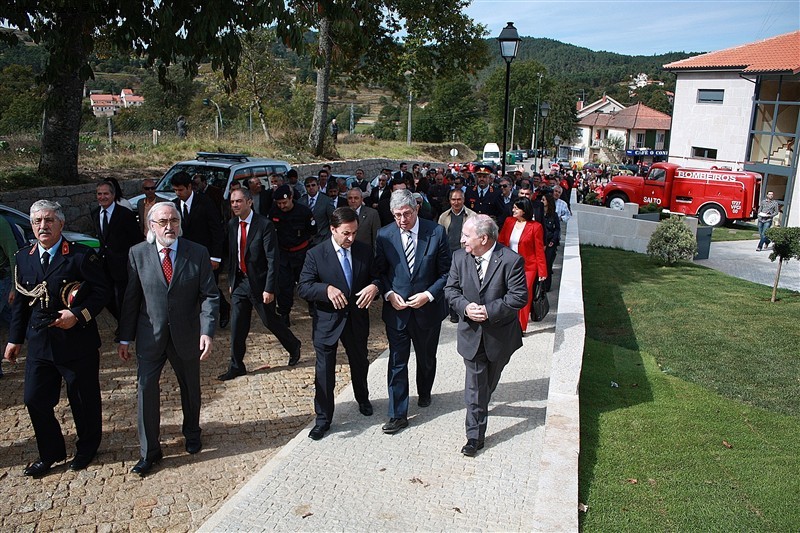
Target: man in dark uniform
[[61, 288], [295, 227], [483, 198]]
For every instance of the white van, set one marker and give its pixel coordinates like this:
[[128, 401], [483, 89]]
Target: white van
[[491, 152]]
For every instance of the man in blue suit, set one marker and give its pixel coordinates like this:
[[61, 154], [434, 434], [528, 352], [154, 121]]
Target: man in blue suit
[[341, 295], [413, 258]]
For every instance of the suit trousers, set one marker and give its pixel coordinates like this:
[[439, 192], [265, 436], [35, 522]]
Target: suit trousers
[[482, 377], [355, 346], [425, 343], [42, 392], [242, 303], [187, 370]]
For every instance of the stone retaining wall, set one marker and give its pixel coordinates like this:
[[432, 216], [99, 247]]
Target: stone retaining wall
[[601, 226], [78, 200]]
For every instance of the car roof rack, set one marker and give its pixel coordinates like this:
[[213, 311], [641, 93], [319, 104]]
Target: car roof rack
[[206, 156]]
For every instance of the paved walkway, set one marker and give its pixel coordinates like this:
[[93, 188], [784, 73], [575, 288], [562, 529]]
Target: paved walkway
[[740, 259], [359, 479]]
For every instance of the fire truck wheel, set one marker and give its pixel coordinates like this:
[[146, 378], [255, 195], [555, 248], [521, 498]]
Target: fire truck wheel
[[617, 201], [712, 215]]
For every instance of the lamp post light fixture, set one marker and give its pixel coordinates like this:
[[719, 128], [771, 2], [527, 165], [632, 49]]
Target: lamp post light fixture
[[514, 124], [544, 110], [509, 46], [206, 101]]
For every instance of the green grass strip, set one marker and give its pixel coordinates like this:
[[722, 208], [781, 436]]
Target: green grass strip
[[701, 431]]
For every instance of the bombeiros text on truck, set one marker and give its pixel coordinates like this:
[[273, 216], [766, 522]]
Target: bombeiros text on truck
[[713, 195]]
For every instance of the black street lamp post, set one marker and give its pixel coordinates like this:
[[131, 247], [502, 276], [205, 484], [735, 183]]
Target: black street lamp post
[[509, 46], [544, 111]]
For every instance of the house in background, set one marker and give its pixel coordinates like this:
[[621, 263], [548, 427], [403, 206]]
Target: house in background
[[107, 105], [614, 132], [739, 108]]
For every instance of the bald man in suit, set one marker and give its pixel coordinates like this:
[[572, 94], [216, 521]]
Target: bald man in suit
[[486, 288]]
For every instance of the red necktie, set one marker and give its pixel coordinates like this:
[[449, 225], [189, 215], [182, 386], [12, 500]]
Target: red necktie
[[166, 265], [242, 246]]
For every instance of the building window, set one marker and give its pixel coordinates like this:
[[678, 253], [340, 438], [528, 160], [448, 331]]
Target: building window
[[710, 96], [704, 153], [640, 140]]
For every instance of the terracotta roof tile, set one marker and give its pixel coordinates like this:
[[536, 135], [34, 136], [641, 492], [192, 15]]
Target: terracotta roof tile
[[776, 54], [635, 117]]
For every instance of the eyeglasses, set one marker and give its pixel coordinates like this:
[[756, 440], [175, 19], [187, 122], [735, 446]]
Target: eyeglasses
[[504, 185], [171, 221], [148, 188]]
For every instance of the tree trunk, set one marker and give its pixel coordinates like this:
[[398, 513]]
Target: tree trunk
[[263, 119], [777, 279], [62, 113], [317, 137]]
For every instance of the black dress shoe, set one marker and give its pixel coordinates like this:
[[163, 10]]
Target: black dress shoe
[[471, 447], [231, 374], [39, 468], [394, 425], [365, 408], [318, 432], [146, 465], [424, 401], [194, 446], [81, 462], [294, 356], [454, 319]]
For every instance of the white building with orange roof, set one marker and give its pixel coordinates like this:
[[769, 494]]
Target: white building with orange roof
[[739, 108], [107, 105]]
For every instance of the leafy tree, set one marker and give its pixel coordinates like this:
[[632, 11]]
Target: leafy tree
[[185, 32], [261, 77], [523, 91], [21, 100], [362, 38], [785, 246]]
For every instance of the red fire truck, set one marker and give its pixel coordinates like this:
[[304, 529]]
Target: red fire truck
[[712, 195]]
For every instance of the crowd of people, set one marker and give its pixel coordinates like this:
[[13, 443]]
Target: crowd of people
[[426, 242]]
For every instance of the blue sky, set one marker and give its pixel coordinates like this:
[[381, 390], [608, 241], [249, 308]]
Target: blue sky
[[637, 27]]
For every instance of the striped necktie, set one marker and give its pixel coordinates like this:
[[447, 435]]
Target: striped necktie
[[479, 266], [409, 251]]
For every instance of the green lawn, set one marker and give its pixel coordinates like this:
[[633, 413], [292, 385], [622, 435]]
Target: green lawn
[[739, 232], [700, 433]]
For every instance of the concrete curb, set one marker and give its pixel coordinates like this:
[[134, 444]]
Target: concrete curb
[[556, 504]]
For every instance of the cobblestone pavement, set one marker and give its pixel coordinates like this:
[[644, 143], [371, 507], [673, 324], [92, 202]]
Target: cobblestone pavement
[[245, 422]]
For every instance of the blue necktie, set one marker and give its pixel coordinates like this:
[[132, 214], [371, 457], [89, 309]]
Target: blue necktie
[[348, 271]]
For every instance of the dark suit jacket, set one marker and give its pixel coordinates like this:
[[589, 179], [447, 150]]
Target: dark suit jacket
[[368, 225], [503, 292], [261, 255], [181, 311], [375, 196], [264, 202], [322, 215], [321, 269], [431, 265], [204, 225], [74, 262], [123, 232]]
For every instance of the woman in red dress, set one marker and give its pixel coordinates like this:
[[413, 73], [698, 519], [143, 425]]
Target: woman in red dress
[[526, 237]]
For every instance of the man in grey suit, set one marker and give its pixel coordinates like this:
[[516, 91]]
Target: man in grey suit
[[321, 208], [368, 220], [486, 287], [170, 309]]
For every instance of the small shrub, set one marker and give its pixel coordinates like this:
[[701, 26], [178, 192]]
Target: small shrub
[[672, 242], [650, 208]]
